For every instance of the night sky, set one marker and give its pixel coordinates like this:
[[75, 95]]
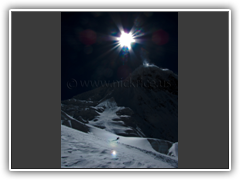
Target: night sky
[[87, 40]]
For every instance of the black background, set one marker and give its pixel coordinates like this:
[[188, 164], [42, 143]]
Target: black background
[[93, 60]]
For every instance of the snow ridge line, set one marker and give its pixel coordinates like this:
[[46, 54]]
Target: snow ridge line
[[140, 133], [101, 100], [170, 161], [72, 118]]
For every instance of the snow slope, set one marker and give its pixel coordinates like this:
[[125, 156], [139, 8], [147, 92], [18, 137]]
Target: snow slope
[[95, 150]]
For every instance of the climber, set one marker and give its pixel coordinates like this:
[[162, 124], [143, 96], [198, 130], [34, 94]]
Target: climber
[[116, 139]]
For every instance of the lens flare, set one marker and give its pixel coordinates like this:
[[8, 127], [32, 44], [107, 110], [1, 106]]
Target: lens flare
[[114, 152], [160, 37], [88, 37], [113, 144], [125, 40]]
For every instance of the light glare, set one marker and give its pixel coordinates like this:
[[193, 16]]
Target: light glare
[[114, 152], [126, 40]]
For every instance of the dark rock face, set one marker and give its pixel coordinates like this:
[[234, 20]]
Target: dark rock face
[[160, 145]]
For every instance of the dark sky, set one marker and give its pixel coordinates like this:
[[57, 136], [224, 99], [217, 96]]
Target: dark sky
[[86, 45]]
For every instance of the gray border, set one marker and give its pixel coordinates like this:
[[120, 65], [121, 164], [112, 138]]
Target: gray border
[[203, 90], [36, 90], [192, 55]]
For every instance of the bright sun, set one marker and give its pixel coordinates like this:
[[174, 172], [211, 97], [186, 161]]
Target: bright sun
[[126, 40]]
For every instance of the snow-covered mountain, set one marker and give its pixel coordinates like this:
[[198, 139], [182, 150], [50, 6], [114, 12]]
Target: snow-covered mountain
[[142, 110], [143, 105]]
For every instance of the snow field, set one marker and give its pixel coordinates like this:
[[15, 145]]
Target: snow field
[[94, 150]]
